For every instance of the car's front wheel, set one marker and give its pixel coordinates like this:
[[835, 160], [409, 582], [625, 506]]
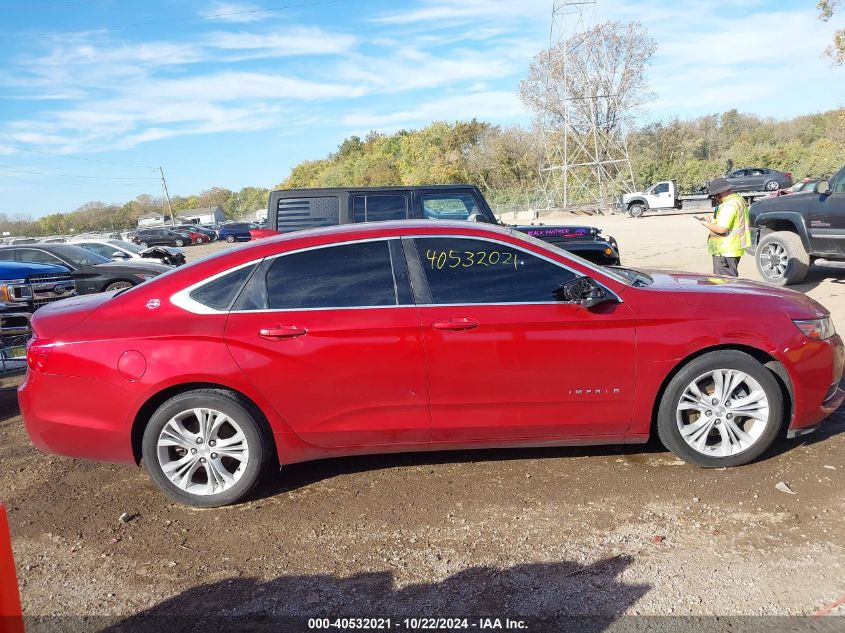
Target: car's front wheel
[[782, 259], [206, 448], [179, 243], [722, 409], [230, 238]]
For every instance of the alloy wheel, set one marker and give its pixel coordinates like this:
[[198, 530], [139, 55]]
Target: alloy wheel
[[202, 451], [774, 260], [722, 413]]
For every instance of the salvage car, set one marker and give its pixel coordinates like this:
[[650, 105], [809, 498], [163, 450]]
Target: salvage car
[[119, 250], [419, 336], [91, 272]]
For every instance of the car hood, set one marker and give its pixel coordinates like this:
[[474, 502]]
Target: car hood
[[559, 232], [697, 286], [20, 270], [131, 266]]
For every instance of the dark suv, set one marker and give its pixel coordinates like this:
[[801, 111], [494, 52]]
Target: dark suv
[[790, 232], [294, 209], [159, 237]]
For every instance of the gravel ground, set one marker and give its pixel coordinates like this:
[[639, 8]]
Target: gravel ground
[[550, 532]]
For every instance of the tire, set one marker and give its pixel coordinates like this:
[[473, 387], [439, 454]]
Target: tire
[[143, 245], [177, 415], [782, 259], [748, 438], [230, 238], [178, 243], [772, 185], [636, 210], [118, 285]]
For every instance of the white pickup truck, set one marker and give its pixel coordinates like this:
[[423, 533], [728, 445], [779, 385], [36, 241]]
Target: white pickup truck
[[663, 197]]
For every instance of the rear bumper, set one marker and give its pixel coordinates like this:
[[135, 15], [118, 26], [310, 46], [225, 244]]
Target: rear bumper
[[77, 417]]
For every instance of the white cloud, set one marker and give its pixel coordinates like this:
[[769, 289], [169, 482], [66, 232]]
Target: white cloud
[[294, 41], [490, 106], [454, 11], [237, 12]]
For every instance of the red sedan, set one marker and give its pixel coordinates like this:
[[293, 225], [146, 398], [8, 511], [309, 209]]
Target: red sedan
[[408, 336]]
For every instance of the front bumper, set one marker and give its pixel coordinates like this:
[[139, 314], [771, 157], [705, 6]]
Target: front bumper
[[755, 241]]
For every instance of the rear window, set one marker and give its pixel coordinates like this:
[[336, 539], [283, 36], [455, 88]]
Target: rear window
[[295, 214]]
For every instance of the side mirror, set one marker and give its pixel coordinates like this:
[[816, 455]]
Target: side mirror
[[583, 291], [822, 187], [478, 217], [119, 255]]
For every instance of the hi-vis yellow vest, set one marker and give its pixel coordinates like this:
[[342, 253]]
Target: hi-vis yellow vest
[[738, 238]]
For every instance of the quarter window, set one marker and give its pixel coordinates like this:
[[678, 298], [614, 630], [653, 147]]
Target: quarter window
[[220, 293], [464, 271], [376, 208], [343, 276]]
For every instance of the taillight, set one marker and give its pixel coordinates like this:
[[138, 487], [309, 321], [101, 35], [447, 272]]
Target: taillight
[[789, 175], [37, 353]]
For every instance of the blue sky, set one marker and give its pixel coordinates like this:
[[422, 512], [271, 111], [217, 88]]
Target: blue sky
[[93, 93]]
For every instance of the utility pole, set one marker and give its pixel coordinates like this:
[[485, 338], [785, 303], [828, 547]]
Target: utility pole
[[167, 197]]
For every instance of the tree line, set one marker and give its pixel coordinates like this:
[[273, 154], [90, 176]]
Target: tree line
[[503, 162]]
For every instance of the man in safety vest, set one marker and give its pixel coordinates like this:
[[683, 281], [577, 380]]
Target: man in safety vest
[[729, 228]]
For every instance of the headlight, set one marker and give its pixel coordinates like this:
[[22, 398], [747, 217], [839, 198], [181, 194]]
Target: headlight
[[817, 329], [144, 277], [17, 291]]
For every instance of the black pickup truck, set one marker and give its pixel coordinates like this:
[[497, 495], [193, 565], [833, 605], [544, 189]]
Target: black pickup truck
[[296, 209], [789, 232]]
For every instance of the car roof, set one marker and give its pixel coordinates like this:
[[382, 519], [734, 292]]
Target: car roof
[[377, 189]]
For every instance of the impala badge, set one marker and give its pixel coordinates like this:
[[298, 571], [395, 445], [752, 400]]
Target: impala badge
[[152, 304]]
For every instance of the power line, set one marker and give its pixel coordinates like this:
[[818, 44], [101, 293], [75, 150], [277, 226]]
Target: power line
[[114, 27], [75, 157], [58, 5], [54, 174]]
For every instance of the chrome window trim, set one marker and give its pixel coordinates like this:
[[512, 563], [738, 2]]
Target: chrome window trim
[[183, 300]]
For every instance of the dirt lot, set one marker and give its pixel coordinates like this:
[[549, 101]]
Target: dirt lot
[[603, 531]]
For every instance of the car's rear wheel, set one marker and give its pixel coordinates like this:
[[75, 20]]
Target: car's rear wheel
[[722, 409], [782, 259], [772, 185], [206, 448], [118, 285], [230, 238]]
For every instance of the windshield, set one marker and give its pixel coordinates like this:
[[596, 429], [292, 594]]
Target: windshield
[[81, 256], [602, 270], [127, 246]]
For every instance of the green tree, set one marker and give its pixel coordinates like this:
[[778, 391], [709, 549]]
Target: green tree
[[836, 50]]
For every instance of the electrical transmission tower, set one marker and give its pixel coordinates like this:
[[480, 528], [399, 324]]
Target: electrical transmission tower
[[585, 162]]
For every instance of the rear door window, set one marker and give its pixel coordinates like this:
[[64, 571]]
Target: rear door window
[[342, 276], [379, 207]]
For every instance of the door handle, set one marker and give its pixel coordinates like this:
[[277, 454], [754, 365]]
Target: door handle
[[455, 324], [275, 332]]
